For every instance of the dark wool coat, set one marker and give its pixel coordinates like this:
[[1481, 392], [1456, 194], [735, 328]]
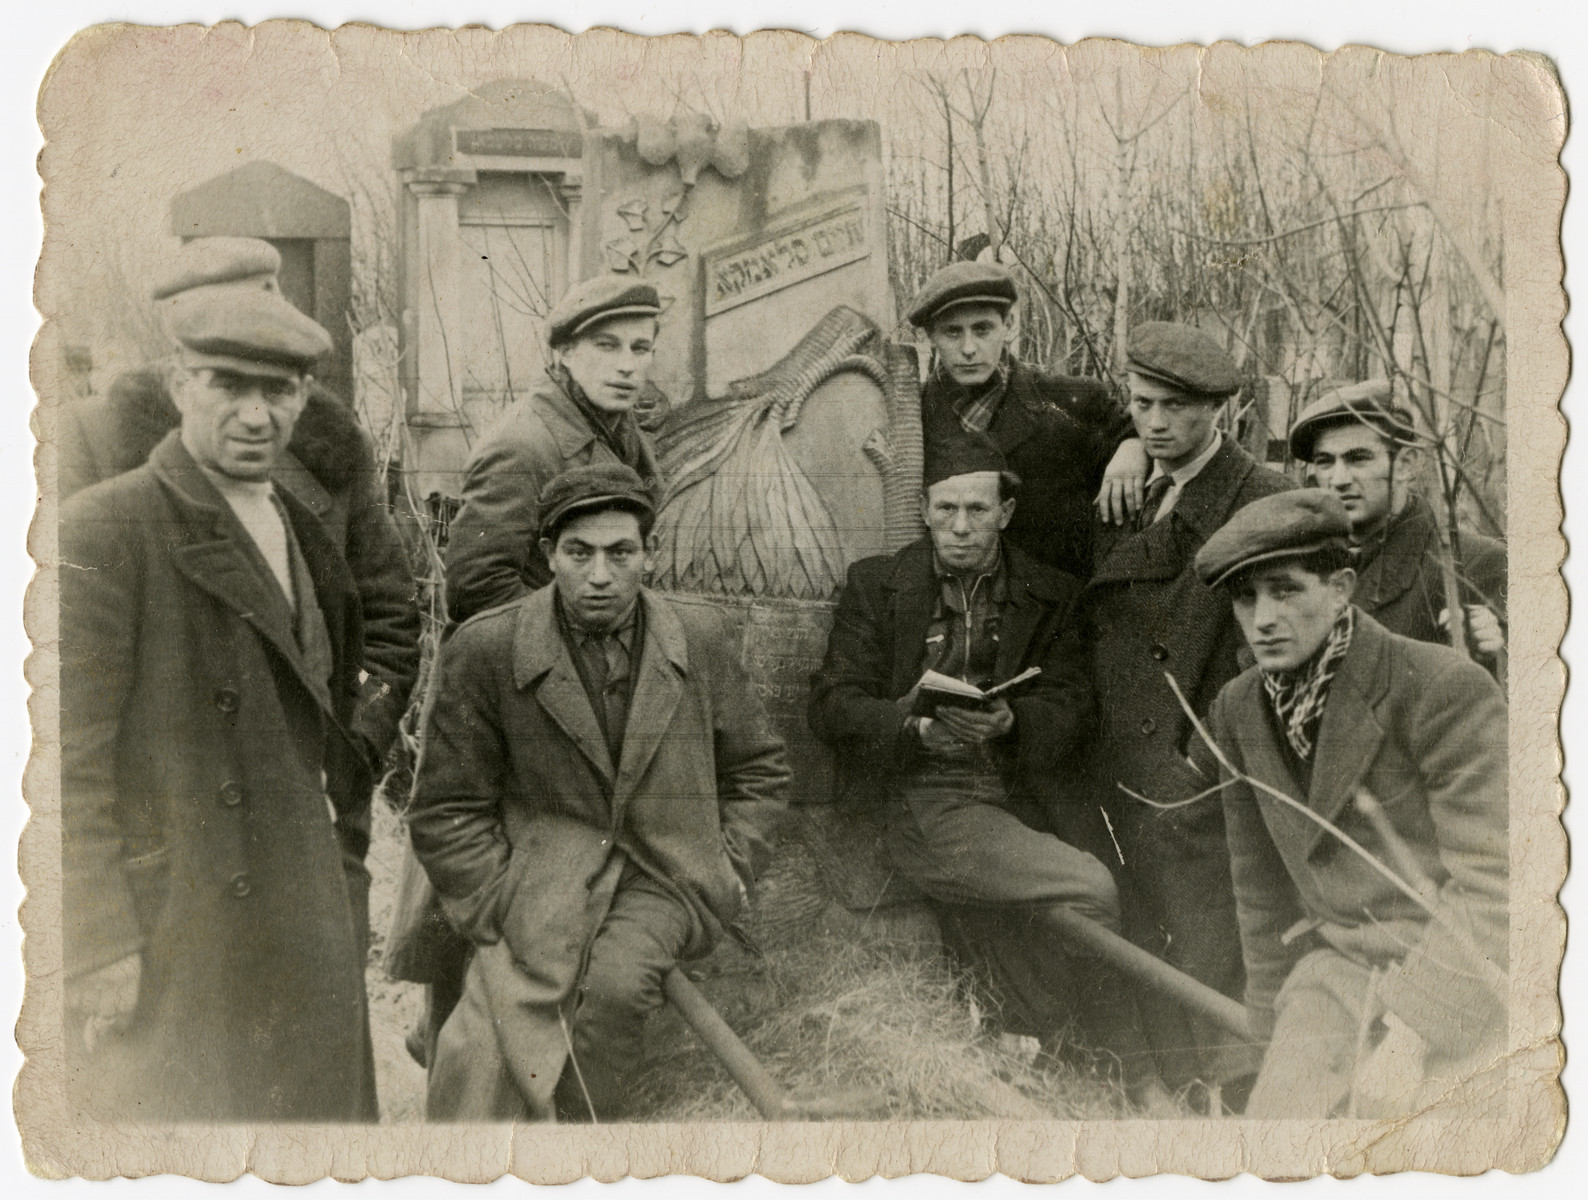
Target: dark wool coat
[[1057, 432], [1401, 583], [195, 824], [518, 810], [874, 656], [1147, 613], [493, 545], [330, 467], [1423, 730]]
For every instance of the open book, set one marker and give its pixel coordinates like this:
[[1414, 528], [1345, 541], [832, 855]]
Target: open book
[[936, 690]]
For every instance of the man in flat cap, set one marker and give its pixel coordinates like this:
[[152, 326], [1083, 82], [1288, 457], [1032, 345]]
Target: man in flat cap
[[1148, 616], [1374, 1003], [1062, 434], [213, 792], [596, 788], [1359, 444], [977, 811], [328, 464], [601, 340]]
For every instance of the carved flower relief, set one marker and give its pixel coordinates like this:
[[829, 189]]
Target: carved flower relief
[[647, 241]]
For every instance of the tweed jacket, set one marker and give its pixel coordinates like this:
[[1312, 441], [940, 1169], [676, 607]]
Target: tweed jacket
[[874, 657], [1399, 581], [522, 820], [1057, 432], [1148, 614], [329, 466], [493, 545], [1423, 730], [195, 827]]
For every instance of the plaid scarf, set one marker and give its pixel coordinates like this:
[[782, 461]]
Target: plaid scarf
[[976, 408], [1299, 696]]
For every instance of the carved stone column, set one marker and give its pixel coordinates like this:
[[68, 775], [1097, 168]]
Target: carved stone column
[[434, 280]]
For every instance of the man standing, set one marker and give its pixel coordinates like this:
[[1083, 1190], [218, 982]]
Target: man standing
[[212, 792], [328, 465], [1150, 617], [1376, 1003], [1058, 433], [602, 341], [594, 797], [978, 816], [1362, 447]]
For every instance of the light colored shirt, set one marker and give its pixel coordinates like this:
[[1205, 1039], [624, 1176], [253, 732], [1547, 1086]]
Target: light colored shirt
[[256, 507], [1181, 476]]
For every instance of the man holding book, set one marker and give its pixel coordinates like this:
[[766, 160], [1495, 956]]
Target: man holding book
[[971, 783]]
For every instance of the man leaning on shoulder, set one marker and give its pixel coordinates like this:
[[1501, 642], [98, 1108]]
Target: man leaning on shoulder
[[1374, 1003]]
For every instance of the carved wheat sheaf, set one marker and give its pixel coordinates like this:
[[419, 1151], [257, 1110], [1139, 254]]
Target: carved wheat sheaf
[[740, 517]]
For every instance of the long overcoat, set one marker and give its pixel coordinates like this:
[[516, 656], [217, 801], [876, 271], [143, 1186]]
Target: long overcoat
[[521, 818], [198, 754], [1423, 730], [493, 550], [1147, 614], [1057, 432]]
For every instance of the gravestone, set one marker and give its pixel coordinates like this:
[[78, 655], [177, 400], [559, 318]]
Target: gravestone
[[309, 226]]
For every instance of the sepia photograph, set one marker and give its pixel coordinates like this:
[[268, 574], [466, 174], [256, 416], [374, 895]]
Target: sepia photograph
[[614, 605]]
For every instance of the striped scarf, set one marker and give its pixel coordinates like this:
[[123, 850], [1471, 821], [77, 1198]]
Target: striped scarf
[[1299, 696], [976, 409]]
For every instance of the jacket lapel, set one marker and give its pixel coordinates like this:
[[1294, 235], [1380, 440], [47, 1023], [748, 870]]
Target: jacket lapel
[[1350, 734], [912, 584], [541, 661], [1013, 422], [1391, 572], [1030, 596], [664, 663]]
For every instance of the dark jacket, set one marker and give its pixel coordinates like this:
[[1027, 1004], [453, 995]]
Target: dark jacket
[[195, 827], [874, 656], [1424, 731], [330, 467], [1147, 613], [518, 809], [493, 545], [1057, 432], [1400, 581]]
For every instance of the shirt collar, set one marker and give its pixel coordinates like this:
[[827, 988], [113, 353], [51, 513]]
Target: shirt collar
[[623, 631], [996, 574], [1181, 476]]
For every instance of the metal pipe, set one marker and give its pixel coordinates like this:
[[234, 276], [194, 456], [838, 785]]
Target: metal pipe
[[768, 1096]]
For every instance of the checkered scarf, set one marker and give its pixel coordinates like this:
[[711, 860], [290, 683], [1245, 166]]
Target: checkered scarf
[[1299, 696], [976, 410]]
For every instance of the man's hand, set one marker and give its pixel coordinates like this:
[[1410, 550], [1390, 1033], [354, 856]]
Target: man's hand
[[937, 738], [105, 999], [1124, 482], [977, 725], [1483, 628], [1387, 1080]]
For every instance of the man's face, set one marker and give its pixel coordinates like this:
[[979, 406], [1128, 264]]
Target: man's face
[[612, 361], [965, 518], [234, 422], [1174, 428], [970, 341], [1356, 463], [1286, 612], [599, 563]]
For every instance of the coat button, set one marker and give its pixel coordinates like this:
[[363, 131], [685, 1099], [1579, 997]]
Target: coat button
[[1159, 651], [1148, 726], [230, 794], [227, 699], [240, 885]]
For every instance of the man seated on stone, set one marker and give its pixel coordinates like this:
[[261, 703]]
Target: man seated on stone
[[1360, 445], [1372, 1008], [601, 343], [1063, 435], [595, 791], [976, 812]]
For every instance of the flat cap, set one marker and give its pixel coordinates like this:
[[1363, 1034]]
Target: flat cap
[[1362, 403], [219, 261], [254, 331], [1280, 526], [595, 485], [961, 455], [599, 299], [1181, 357], [959, 284]]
